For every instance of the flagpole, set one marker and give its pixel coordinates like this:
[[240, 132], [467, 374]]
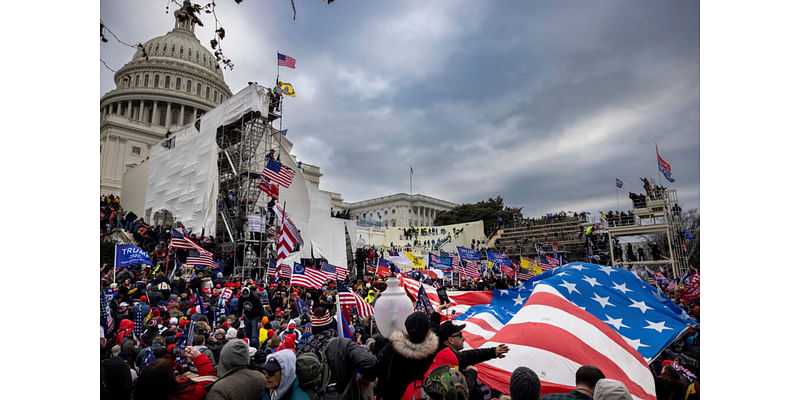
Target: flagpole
[[115, 262], [410, 179], [658, 165]]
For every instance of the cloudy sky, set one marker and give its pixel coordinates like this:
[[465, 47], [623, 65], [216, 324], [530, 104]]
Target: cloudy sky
[[542, 103]]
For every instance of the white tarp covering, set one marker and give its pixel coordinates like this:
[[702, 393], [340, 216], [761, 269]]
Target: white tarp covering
[[184, 179], [324, 233]]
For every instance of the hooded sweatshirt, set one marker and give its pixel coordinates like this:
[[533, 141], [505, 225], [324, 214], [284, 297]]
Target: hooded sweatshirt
[[287, 360], [609, 389]]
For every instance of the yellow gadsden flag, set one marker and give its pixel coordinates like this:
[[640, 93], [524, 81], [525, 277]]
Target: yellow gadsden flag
[[286, 88], [416, 260], [531, 266]]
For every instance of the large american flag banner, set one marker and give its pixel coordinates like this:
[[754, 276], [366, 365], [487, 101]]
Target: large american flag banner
[[277, 172], [573, 315], [307, 277], [349, 299]]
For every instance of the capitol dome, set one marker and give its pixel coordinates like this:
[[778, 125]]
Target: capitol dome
[[177, 82], [177, 71]]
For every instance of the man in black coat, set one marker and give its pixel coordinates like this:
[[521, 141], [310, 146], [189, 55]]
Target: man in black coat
[[252, 311]]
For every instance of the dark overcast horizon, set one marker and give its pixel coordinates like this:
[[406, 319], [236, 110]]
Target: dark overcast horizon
[[542, 103]]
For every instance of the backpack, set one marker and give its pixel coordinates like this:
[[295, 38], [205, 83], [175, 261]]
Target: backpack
[[314, 376]]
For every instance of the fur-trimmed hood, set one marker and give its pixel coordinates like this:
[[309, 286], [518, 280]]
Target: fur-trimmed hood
[[414, 351]]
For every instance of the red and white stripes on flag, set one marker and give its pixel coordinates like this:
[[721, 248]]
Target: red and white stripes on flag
[[471, 269], [350, 299], [553, 337], [289, 236], [307, 277], [284, 271], [204, 257], [277, 172]]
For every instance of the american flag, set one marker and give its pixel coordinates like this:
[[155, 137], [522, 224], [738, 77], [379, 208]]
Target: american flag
[[285, 61], [577, 314], [334, 272], [270, 189], [524, 275], [179, 241], [471, 269], [203, 257], [349, 299], [285, 272], [288, 238], [275, 171], [307, 277], [456, 262]]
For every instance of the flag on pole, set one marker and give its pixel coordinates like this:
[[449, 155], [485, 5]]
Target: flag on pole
[[286, 89], [664, 167], [307, 277], [203, 258], [350, 299], [285, 61], [334, 272], [289, 236], [275, 171], [619, 183], [129, 254], [200, 302]]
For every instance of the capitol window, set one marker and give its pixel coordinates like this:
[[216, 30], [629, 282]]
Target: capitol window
[[207, 91], [155, 82], [137, 81], [136, 150], [146, 80], [198, 89], [173, 48], [166, 82], [215, 95], [181, 50], [189, 85], [178, 83], [190, 52]]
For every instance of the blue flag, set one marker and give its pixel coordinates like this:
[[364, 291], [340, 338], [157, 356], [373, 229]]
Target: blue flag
[[619, 183], [499, 258], [200, 302], [128, 254]]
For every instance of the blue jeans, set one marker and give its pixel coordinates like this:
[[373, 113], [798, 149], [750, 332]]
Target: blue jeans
[[251, 330]]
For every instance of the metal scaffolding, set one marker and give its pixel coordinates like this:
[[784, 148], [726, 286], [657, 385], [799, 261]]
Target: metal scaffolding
[[659, 215], [243, 149]]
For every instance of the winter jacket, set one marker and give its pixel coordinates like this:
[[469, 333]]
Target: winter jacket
[[236, 381], [197, 382], [403, 362], [251, 307], [289, 387], [344, 358]]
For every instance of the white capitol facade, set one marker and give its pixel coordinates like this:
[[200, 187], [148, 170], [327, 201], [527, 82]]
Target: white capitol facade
[[178, 82]]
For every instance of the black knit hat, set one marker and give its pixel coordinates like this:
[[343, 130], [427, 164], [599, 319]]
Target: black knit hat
[[417, 326], [524, 384]]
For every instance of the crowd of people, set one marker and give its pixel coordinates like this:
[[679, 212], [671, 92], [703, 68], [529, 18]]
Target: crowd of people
[[202, 334]]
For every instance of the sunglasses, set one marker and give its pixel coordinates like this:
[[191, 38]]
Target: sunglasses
[[459, 334]]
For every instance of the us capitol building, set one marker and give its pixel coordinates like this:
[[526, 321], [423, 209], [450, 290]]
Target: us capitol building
[[176, 83]]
